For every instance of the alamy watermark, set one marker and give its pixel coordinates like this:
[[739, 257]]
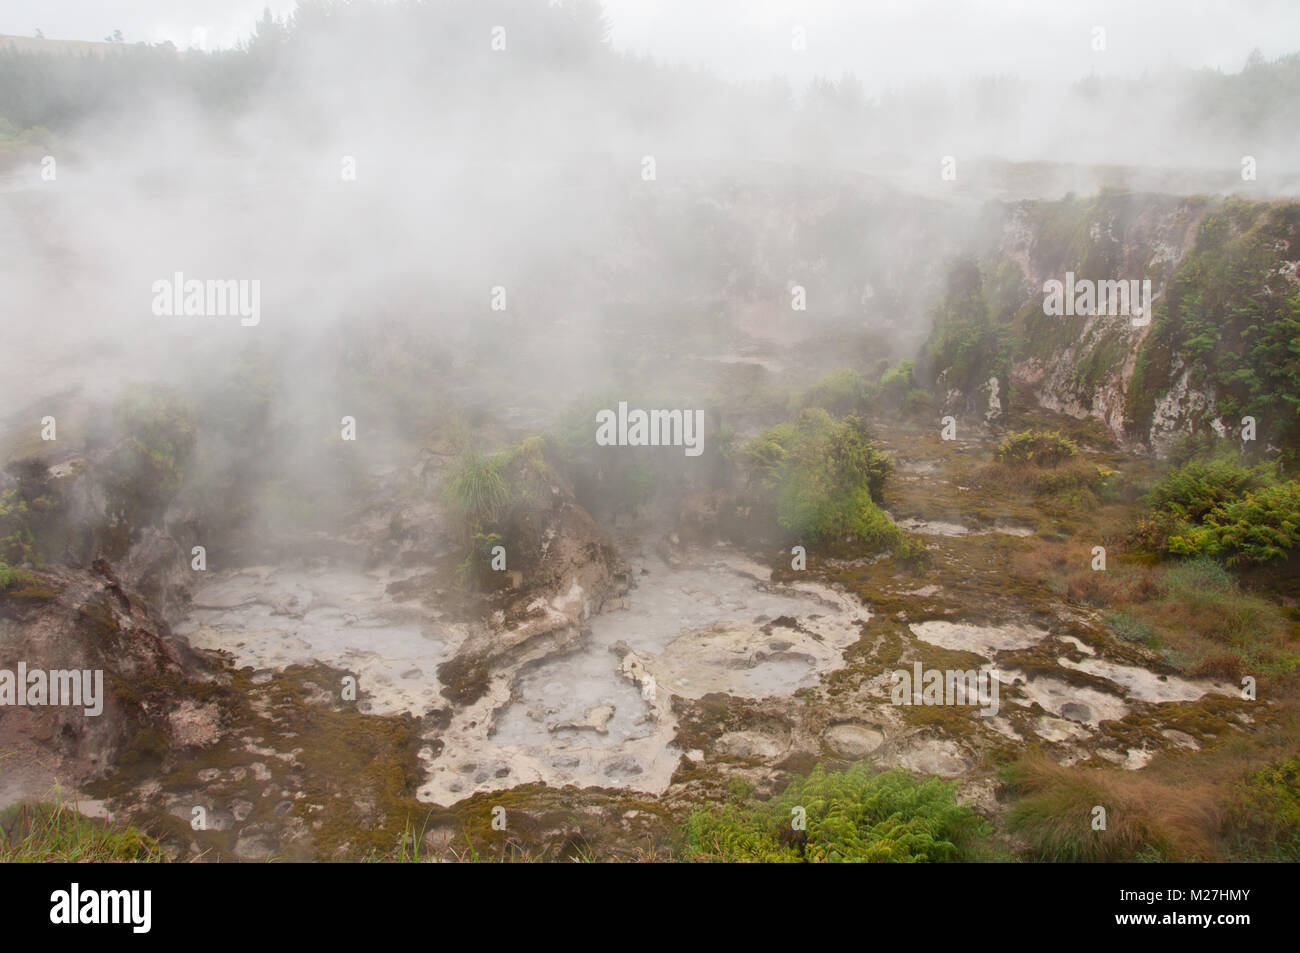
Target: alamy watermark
[[651, 428], [1082, 296], [947, 687], [59, 688], [179, 297], [76, 906]]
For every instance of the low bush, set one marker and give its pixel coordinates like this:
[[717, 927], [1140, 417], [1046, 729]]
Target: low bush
[[1264, 823], [1223, 510], [1037, 448], [826, 478], [843, 391], [858, 815]]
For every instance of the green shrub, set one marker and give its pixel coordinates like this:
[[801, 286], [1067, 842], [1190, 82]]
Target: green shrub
[[1266, 816], [1223, 510], [917, 402], [851, 817], [1131, 629], [31, 514], [765, 454], [476, 568], [964, 348], [1191, 491], [898, 383], [17, 543], [827, 478], [1037, 448], [1262, 527], [527, 471], [607, 479], [156, 433], [842, 391]]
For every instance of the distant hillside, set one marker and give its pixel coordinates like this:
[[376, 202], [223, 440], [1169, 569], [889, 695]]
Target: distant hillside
[[29, 44]]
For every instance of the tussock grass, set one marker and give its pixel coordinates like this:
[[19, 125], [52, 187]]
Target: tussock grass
[[476, 490], [55, 832], [1195, 610], [1145, 819], [1073, 476]]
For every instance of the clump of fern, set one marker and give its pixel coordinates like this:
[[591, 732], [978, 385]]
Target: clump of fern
[[857, 815], [1224, 510]]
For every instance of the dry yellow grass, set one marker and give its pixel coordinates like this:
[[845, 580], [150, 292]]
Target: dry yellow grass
[[1146, 819]]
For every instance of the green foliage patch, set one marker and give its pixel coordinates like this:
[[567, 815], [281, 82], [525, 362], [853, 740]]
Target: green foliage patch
[[1037, 448], [826, 478], [966, 348], [156, 433], [476, 491], [855, 816], [1232, 323], [54, 832], [842, 391], [1266, 817], [1224, 510]]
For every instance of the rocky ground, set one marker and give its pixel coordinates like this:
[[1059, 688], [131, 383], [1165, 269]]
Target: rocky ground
[[336, 708]]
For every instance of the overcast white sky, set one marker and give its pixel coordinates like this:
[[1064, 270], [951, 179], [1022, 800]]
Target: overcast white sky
[[882, 41]]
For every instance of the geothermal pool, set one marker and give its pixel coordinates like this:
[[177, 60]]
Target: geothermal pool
[[599, 715]]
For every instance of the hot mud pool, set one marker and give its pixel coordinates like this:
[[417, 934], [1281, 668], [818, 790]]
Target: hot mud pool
[[597, 715]]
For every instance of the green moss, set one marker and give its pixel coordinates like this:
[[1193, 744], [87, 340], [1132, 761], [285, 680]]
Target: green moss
[[95, 617], [1099, 363], [149, 744], [23, 585], [465, 679]]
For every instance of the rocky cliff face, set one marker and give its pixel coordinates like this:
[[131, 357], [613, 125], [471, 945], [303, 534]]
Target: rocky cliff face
[[1084, 368], [86, 621], [1223, 280]]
